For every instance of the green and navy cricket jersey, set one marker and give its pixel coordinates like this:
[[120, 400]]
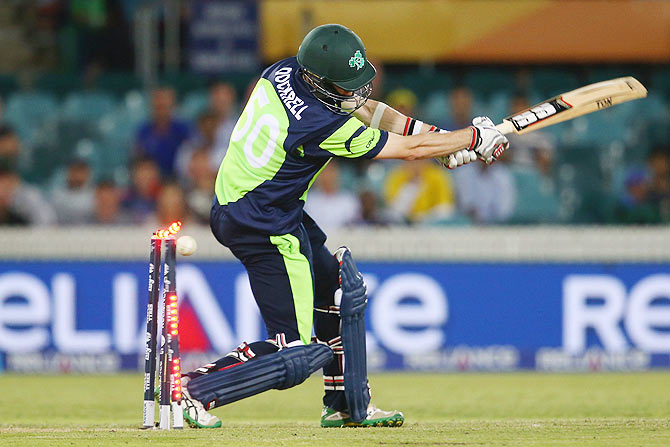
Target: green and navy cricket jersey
[[282, 140]]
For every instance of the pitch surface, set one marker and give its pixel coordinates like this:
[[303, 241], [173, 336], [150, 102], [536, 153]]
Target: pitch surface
[[520, 409]]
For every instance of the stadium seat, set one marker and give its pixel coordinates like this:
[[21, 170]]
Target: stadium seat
[[184, 82], [497, 108], [581, 181], [547, 82], [537, 198], [660, 82], [455, 220], [57, 142], [487, 82], [423, 82], [87, 105], [27, 111], [117, 83], [59, 84], [598, 74], [8, 84], [436, 109], [193, 104], [135, 106]]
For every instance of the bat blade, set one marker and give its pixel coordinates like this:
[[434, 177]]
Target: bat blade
[[572, 104]]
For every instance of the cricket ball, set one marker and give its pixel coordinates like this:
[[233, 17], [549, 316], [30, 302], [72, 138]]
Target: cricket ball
[[186, 245]]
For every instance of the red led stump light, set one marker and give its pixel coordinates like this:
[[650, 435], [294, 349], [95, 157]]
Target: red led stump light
[[167, 344]]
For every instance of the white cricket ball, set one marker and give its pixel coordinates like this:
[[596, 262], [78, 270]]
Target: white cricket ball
[[186, 245]]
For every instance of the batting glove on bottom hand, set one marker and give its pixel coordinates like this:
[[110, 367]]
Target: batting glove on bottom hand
[[457, 159], [487, 142]]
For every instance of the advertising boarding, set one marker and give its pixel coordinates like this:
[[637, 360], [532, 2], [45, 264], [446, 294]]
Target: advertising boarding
[[90, 316]]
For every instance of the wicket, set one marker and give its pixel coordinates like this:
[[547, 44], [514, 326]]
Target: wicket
[[169, 368]]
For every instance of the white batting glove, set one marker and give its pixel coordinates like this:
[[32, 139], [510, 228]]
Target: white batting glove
[[487, 142], [457, 159]]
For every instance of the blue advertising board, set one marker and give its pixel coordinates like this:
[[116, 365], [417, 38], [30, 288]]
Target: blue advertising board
[[223, 36], [89, 316]]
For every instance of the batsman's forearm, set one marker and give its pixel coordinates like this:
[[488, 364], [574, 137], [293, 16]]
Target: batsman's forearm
[[378, 115], [425, 145], [411, 139], [431, 145]]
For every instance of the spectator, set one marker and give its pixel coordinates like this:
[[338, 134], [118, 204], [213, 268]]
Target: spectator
[[403, 100], [222, 102], [460, 109], [107, 209], [10, 147], [659, 167], [171, 205], [474, 184], [140, 200], [21, 203], [419, 191], [203, 141], [201, 180], [8, 215], [378, 81], [370, 212], [534, 150], [161, 137], [73, 202], [636, 205], [328, 204]]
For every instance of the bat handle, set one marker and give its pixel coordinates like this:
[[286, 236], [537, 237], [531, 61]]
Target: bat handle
[[505, 127]]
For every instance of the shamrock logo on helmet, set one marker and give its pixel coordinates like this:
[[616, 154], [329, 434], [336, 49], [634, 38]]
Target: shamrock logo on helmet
[[357, 60]]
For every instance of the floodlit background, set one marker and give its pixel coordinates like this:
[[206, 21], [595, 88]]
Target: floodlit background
[[115, 115]]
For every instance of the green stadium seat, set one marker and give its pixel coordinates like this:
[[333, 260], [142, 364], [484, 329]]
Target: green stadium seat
[[59, 84], [27, 111], [56, 143], [8, 84], [135, 105], [88, 105], [489, 81], [184, 82], [118, 83], [498, 107], [193, 104], [598, 74], [548, 82], [537, 198], [423, 82], [660, 82], [436, 109], [455, 220], [581, 181]]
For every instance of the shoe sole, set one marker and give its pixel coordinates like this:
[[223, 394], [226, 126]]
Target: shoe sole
[[393, 422], [193, 424]]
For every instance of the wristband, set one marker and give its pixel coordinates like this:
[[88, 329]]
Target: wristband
[[412, 127], [475, 138]]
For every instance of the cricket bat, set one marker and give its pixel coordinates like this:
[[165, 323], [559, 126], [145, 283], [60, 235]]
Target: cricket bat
[[567, 106]]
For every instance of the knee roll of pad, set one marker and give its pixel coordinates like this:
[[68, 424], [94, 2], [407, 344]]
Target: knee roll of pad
[[280, 370], [352, 312]]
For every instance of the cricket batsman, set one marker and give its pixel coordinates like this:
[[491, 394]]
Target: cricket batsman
[[303, 111]]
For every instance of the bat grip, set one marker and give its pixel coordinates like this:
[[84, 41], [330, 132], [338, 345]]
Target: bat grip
[[505, 127]]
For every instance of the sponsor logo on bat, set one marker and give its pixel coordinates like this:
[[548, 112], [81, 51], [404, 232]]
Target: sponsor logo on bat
[[604, 103], [538, 113]]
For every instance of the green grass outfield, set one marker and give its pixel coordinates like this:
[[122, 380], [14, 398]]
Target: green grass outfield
[[519, 409]]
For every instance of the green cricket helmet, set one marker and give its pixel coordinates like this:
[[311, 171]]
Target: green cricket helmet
[[333, 55]]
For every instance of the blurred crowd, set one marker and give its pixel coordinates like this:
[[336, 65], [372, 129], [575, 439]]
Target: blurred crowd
[[174, 161]]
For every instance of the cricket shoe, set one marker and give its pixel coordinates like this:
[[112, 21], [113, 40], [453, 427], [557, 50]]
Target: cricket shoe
[[374, 418], [195, 414]]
